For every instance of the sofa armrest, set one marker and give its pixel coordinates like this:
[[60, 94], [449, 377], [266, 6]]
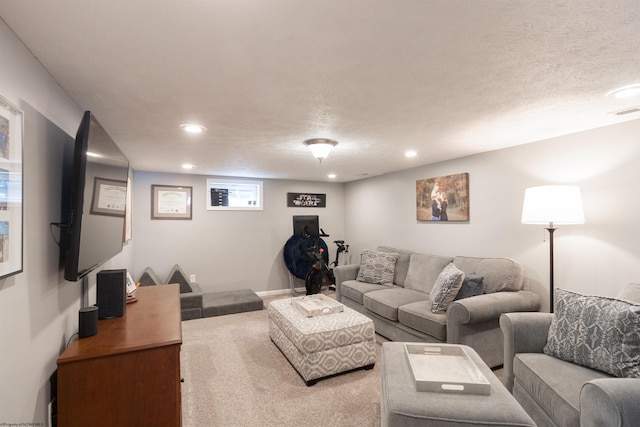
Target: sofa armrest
[[523, 333], [491, 306], [343, 273], [611, 402]]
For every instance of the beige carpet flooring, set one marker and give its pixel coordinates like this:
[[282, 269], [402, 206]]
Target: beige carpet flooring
[[235, 376]]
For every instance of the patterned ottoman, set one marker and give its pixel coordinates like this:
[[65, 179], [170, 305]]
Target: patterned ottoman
[[322, 345]]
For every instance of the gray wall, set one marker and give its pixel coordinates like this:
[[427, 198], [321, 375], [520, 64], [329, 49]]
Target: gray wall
[[38, 308], [227, 250], [598, 257]]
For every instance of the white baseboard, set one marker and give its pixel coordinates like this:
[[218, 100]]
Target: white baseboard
[[279, 292]]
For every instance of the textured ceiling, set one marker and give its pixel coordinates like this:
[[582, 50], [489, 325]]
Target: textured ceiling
[[446, 78]]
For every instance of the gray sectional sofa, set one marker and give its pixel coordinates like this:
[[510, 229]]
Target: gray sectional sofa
[[579, 366], [401, 308]]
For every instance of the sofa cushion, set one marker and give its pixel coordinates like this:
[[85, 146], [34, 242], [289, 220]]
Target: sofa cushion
[[177, 275], [554, 384], [149, 278], [500, 274], [424, 270], [355, 290], [386, 302], [377, 267], [472, 286], [597, 332], [446, 288], [418, 316], [402, 263]]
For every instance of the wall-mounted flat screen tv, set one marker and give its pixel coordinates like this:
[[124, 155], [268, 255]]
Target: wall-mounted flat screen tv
[[94, 201]]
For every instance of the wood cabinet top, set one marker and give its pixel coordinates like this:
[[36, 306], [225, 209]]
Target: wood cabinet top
[[152, 321]]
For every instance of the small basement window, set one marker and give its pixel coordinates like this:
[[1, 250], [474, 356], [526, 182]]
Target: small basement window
[[229, 194]]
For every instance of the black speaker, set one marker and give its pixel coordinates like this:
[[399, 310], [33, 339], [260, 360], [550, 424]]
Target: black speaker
[[88, 321], [111, 295]]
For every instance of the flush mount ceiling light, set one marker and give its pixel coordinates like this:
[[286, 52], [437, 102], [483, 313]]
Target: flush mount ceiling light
[[320, 147], [625, 91], [410, 154], [192, 128], [188, 166]]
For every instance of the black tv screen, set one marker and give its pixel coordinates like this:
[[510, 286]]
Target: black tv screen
[[95, 217]]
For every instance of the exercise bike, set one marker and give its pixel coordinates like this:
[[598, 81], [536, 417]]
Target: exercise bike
[[321, 274]]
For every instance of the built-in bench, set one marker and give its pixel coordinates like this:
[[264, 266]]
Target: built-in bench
[[195, 304]]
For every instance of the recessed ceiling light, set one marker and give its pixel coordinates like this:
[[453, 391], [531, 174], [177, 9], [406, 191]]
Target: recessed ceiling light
[[410, 154], [188, 166], [332, 175], [625, 91], [193, 128]]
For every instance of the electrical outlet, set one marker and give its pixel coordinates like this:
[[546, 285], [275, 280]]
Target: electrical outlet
[[192, 278]]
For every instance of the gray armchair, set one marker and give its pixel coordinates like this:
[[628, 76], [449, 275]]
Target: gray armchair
[[560, 393]]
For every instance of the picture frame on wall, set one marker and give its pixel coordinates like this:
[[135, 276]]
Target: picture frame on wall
[[171, 202], [11, 189], [443, 198], [306, 200], [109, 197]]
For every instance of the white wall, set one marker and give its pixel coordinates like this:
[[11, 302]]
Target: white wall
[[38, 308], [598, 257], [228, 250]]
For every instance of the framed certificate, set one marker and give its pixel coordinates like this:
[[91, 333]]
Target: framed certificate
[[109, 197], [11, 191], [170, 202]]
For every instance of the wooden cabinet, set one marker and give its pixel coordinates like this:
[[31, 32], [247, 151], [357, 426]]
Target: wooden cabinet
[[128, 374]]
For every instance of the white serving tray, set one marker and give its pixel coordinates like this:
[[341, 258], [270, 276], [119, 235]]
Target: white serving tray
[[445, 369], [317, 305]]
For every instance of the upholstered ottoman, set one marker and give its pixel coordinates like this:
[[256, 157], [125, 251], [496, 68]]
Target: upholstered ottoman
[[323, 345], [402, 405]]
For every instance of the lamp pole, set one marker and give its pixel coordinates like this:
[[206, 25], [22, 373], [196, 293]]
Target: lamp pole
[[551, 229]]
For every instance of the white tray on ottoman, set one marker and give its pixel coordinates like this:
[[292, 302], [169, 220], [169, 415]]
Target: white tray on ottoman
[[401, 404], [324, 345], [317, 305], [445, 369]]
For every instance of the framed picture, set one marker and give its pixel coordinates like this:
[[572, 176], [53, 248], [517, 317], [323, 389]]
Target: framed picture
[[444, 198], [11, 208], [306, 200], [109, 197], [231, 194], [170, 202]]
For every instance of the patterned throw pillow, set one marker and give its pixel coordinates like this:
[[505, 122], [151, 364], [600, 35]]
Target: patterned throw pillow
[[377, 267], [446, 288], [472, 285], [597, 332]]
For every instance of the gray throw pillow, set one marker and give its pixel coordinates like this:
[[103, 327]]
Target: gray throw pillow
[[596, 332], [472, 285], [377, 267], [446, 288]]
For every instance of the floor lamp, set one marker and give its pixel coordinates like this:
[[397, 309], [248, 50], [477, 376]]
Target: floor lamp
[[552, 205]]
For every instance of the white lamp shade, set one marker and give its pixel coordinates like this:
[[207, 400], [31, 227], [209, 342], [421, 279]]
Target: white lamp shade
[[552, 204]]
